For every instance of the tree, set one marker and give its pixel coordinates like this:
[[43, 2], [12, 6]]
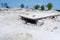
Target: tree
[[2, 5], [42, 7], [36, 7], [22, 5], [49, 6], [5, 5], [58, 10]]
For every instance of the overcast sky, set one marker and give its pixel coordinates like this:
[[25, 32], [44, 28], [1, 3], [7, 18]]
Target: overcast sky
[[31, 3]]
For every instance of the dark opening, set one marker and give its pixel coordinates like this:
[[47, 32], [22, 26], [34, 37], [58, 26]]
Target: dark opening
[[29, 20]]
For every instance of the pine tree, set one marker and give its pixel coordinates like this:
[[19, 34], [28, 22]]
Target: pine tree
[[22, 5]]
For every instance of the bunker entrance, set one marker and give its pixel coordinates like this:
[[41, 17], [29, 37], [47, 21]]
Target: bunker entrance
[[27, 20]]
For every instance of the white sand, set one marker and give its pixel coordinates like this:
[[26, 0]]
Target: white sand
[[13, 28]]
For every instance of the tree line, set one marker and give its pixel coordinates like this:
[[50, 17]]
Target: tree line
[[42, 7]]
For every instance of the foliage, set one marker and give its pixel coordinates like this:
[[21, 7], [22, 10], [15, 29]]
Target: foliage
[[42, 7], [36, 7], [58, 10], [49, 6], [5, 5], [22, 5]]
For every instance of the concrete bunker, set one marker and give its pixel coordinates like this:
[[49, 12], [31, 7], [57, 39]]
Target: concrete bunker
[[27, 20]]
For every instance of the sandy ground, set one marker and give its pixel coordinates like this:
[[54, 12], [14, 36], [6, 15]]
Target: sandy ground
[[13, 28]]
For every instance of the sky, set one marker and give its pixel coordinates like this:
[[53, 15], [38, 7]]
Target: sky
[[31, 3]]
